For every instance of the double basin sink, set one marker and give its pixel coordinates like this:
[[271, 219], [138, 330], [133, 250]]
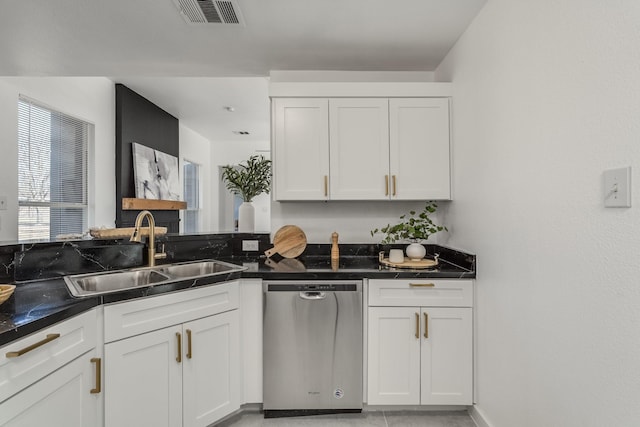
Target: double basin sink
[[82, 285]]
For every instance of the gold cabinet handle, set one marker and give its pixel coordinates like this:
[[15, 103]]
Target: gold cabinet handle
[[326, 186], [386, 185], [189, 354], [426, 325], [417, 326], [49, 338], [422, 285], [179, 356], [98, 363], [393, 179]]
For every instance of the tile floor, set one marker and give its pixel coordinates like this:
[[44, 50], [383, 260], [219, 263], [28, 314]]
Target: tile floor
[[373, 419]]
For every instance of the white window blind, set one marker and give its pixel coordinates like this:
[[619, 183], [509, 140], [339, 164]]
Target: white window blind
[[52, 172], [192, 197]]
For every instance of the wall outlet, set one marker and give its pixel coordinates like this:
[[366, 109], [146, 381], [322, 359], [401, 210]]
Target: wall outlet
[[250, 245]]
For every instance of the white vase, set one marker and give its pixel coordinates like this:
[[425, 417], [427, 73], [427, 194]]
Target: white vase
[[415, 251], [246, 218]]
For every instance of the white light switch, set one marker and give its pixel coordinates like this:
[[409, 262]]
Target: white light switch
[[617, 188]]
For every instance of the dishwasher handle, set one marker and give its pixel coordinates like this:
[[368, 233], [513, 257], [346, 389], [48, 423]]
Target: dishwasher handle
[[312, 295]]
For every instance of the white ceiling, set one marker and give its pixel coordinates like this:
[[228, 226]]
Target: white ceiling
[[150, 44]]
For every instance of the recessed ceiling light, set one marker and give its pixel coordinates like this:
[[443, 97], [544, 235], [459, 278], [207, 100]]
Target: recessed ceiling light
[[241, 132]]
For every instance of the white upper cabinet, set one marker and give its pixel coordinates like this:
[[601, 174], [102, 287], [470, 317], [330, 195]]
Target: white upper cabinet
[[301, 148], [359, 148], [419, 148]]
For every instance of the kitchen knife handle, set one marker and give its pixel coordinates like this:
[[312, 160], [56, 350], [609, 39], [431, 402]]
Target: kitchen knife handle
[[417, 326], [386, 185]]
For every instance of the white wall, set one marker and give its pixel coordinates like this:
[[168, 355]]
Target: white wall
[[547, 97], [89, 98], [197, 149], [353, 221]]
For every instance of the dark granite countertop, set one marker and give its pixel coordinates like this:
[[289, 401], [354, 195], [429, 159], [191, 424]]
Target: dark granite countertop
[[347, 268], [38, 304]]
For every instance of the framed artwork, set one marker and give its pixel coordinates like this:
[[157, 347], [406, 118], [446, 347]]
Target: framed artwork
[[155, 174]]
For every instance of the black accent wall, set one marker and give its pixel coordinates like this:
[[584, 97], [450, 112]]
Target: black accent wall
[[139, 120]]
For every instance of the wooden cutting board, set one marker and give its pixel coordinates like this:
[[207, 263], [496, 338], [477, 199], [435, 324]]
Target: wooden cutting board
[[287, 264], [289, 241]]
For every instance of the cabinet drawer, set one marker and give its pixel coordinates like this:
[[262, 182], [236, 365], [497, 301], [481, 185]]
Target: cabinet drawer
[[17, 371], [421, 292], [131, 318]]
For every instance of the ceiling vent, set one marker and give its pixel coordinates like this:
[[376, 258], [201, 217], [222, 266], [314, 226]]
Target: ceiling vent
[[210, 11]]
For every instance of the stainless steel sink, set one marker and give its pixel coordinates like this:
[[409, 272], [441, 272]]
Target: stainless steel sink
[[81, 285], [196, 269]]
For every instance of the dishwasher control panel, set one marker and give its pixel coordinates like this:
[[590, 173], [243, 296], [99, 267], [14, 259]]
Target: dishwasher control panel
[[303, 286]]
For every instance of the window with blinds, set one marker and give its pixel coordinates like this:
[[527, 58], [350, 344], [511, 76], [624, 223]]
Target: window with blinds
[[191, 178], [52, 172]]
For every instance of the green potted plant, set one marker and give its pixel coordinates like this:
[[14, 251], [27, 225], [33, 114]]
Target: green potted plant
[[415, 228], [248, 180]]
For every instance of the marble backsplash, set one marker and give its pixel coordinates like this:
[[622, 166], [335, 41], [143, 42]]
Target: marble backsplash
[[37, 261]]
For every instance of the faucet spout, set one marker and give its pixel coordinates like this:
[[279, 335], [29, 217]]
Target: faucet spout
[[136, 236]]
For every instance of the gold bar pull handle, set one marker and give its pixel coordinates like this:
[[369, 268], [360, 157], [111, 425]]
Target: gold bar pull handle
[[393, 179], [326, 185], [189, 353], [179, 356], [422, 285], [426, 325], [98, 363], [417, 326], [49, 338], [386, 185]]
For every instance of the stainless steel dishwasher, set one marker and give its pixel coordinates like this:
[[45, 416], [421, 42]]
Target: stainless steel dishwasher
[[312, 347]]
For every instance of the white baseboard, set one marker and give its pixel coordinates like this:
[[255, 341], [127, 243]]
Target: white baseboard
[[478, 417]]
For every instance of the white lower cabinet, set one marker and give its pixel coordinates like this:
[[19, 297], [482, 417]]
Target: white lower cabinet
[[211, 374], [419, 355], [63, 398], [143, 381], [53, 376], [182, 375]]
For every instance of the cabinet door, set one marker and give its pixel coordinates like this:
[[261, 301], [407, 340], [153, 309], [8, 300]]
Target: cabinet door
[[60, 399], [447, 356], [211, 369], [394, 356], [359, 148], [143, 380], [51, 348], [419, 148], [301, 148]]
